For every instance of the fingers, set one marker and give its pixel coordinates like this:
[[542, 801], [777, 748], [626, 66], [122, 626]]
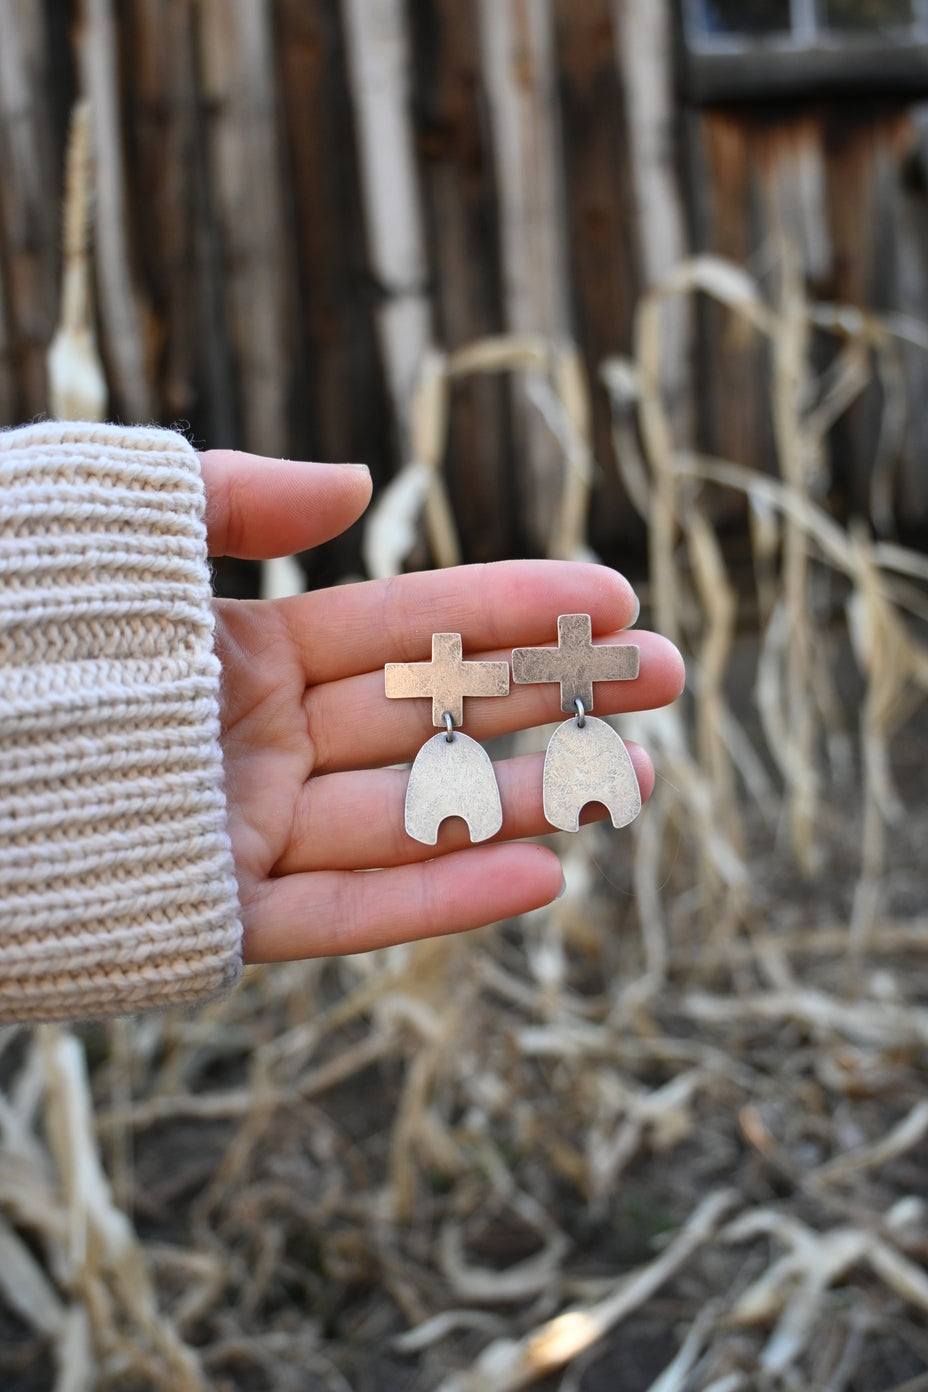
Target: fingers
[[357, 628], [353, 725], [335, 912], [333, 827], [257, 508]]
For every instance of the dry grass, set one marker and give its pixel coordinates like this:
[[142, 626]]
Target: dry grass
[[670, 1133]]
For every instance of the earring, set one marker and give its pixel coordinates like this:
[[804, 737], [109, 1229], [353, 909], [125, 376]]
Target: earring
[[586, 760], [452, 776]]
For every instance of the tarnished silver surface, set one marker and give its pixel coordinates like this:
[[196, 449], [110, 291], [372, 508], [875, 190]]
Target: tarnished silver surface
[[588, 763], [575, 662], [452, 778], [447, 678]]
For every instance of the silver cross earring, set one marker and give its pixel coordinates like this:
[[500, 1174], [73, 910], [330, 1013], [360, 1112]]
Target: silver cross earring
[[452, 776], [586, 760]]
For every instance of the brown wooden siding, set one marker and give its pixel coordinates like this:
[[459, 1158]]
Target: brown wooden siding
[[455, 162], [254, 297]]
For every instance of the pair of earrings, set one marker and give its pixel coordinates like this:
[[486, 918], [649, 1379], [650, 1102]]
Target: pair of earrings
[[586, 761]]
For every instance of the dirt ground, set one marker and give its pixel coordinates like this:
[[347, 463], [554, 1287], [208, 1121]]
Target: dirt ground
[[365, 1175]]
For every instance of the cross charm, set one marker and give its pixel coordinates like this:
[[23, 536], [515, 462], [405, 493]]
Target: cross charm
[[575, 663], [447, 678]]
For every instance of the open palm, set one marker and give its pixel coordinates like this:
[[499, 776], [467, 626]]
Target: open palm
[[309, 736]]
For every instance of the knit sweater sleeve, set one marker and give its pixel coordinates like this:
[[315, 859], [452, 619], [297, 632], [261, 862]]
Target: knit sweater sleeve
[[117, 885]]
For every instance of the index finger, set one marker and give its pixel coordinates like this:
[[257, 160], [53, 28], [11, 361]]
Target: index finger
[[352, 629], [258, 507]]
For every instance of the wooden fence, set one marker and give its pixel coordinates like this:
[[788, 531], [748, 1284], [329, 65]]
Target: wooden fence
[[297, 199]]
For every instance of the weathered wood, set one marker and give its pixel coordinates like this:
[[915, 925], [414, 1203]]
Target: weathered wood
[[339, 408], [519, 71], [793, 194], [123, 314], [338, 366], [909, 499], [379, 69], [644, 37], [459, 192], [297, 197], [30, 191], [239, 84], [829, 180], [861, 174], [177, 239], [600, 217], [8, 409], [732, 369]]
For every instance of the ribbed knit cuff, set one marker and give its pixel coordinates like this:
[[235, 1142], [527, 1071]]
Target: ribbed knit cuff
[[117, 885]]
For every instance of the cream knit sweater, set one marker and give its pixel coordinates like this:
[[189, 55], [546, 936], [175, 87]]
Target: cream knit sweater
[[117, 886]]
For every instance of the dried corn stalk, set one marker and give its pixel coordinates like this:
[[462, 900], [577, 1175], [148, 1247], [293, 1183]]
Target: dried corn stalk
[[795, 542], [108, 1267], [556, 385], [506, 1365], [76, 384]]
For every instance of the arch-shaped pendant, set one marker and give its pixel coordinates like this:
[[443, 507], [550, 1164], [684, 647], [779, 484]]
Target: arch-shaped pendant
[[452, 778], [588, 763]]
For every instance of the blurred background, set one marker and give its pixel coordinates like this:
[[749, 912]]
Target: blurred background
[[635, 279]]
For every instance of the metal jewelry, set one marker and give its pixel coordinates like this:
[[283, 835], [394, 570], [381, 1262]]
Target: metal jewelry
[[452, 776], [586, 760]]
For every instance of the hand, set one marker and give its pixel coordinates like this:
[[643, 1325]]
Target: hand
[[308, 733]]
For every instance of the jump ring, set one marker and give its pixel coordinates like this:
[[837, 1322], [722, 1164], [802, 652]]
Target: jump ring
[[581, 713], [449, 727]]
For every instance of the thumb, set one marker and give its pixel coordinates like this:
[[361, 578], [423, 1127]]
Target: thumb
[[257, 508]]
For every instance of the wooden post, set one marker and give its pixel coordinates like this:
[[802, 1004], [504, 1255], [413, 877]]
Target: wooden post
[[518, 60], [123, 315], [30, 194], [339, 366], [340, 407], [644, 47], [911, 500], [461, 210], [599, 214], [859, 199], [239, 83], [731, 377], [378, 65], [8, 410], [178, 243]]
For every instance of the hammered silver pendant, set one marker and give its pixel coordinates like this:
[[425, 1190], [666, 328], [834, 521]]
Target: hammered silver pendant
[[586, 760], [452, 776], [584, 763]]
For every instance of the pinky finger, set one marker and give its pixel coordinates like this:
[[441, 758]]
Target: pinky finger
[[333, 912]]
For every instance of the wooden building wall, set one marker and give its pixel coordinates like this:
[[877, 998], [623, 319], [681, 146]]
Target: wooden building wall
[[297, 199]]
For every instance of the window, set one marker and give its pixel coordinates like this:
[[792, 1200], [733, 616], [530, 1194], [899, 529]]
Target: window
[[718, 17], [868, 14], [768, 48]]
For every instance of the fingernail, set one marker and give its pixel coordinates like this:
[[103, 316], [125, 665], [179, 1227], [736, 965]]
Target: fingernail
[[634, 619], [365, 467], [562, 891]]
